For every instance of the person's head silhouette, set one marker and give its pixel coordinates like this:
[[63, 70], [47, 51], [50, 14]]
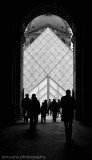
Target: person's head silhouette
[[68, 92], [27, 95], [54, 100], [33, 96]]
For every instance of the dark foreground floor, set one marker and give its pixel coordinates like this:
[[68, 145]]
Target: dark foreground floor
[[47, 143]]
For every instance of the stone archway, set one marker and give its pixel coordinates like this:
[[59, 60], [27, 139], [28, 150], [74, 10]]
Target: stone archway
[[63, 41], [48, 57]]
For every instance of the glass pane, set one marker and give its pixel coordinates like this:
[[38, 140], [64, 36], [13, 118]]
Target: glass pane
[[61, 91], [52, 91], [34, 91], [43, 91], [52, 83]]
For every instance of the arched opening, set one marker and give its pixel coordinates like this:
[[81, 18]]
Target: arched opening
[[48, 58]]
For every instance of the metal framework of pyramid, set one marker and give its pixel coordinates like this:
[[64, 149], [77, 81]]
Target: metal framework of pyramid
[[47, 67]]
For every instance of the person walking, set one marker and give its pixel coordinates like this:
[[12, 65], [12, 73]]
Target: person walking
[[25, 104], [54, 109], [43, 111], [68, 105], [34, 111]]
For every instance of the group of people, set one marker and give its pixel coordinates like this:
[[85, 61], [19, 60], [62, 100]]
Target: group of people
[[50, 108], [31, 109]]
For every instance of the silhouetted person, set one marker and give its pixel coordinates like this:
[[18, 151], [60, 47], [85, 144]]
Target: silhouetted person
[[26, 102], [58, 107], [34, 111], [43, 111], [48, 106], [68, 106], [54, 109]]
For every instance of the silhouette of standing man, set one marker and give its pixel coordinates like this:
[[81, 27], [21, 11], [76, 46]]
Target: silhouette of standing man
[[68, 106], [43, 111], [26, 102], [34, 111], [54, 109]]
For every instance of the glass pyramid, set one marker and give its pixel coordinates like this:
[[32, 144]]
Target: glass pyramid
[[46, 57]]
